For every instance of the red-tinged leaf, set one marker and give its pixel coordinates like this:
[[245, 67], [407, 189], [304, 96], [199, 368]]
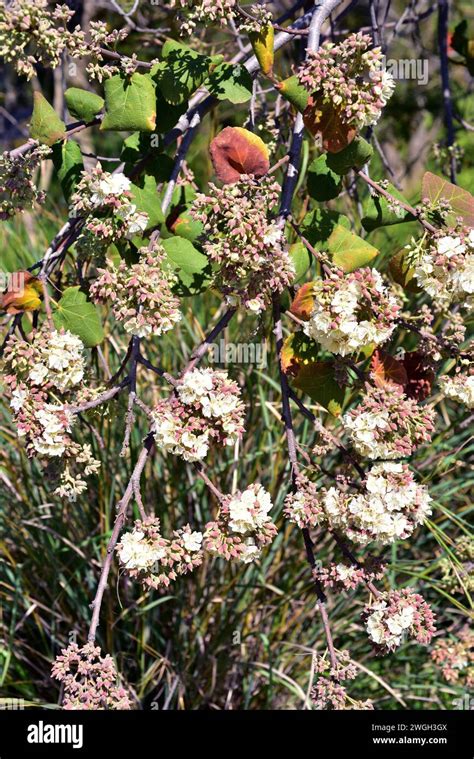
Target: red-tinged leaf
[[325, 120], [436, 188], [402, 272], [420, 376], [237, 151], [386, 370], [24, 293], [303, 303]]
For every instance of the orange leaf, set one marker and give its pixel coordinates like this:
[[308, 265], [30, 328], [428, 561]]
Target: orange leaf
[[237, 151], [326, 120], [23, 293], [387, 370], [303, 302]]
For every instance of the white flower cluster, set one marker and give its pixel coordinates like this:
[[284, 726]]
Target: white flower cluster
[[352, 312], [79, 463], [249, 510], [459, 387], [136, 552], [53, 423], [363, 429], [170, 436], [397, 614], [198, 386], [390, 507], [60, 361], [207, 405], [116, 186], [388, 630], [387, 424], [105, 201], [243, 526], [444, 268], [156, 561]]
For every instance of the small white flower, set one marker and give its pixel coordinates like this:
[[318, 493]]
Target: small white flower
[[18, 398], [192, 541]]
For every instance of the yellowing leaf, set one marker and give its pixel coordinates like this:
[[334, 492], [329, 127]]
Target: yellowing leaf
[[24, 293], [349, 251], [262, 44], [294, 92]]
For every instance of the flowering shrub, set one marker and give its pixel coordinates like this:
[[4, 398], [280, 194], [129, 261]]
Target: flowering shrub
[[459, 387], [17, 188], [454, 656], [389, 508], [218, 278], [248, 248], [89, 679], [104, 200]]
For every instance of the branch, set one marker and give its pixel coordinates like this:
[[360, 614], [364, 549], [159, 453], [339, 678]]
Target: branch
[[443, 13], [416, 212]]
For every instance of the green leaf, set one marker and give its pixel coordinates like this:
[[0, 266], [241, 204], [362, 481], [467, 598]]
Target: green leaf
[[67, 160], [83, 104], [402, 272], [294, 92], [354, 156], [229, 81], [379, 214], [167, 115], [45, 125], [323, 183], [461, 201], [301, 258], [191, 266], [349, 251], [145, 197], [130, 103], [313, 377], [181, 71], [136, 146], [75, 313], [317, 380], [181, 223], [318, 225]]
